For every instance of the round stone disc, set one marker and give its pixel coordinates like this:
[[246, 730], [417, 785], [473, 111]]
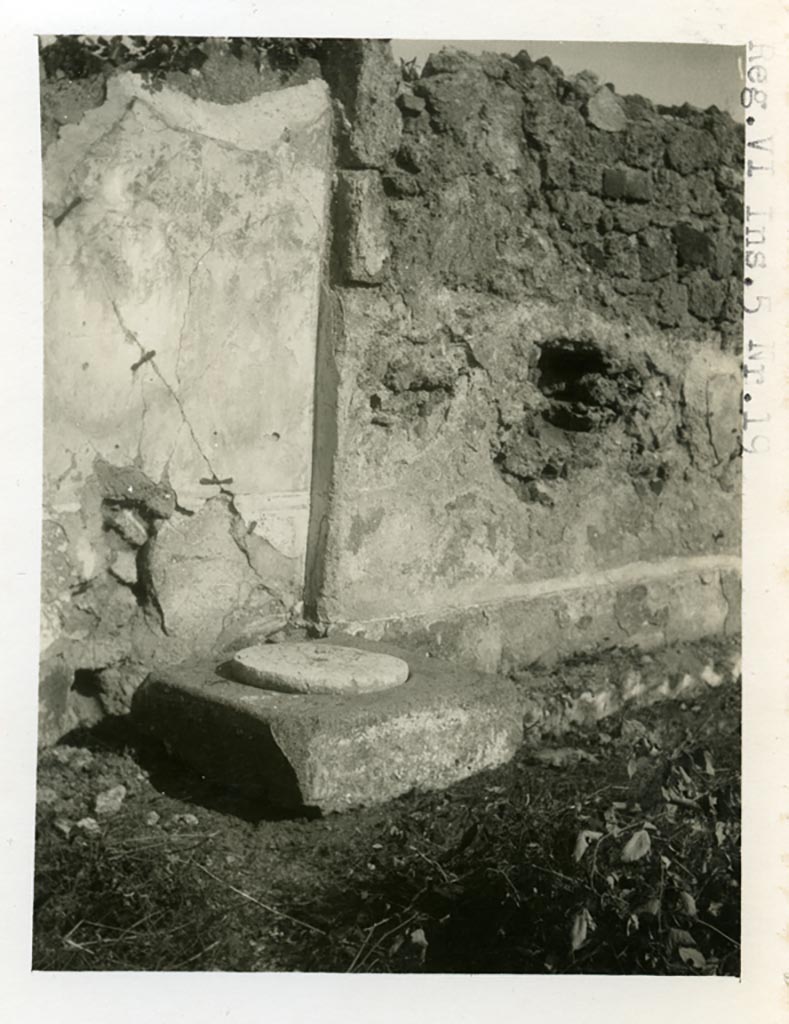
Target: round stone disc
[[317, 668]]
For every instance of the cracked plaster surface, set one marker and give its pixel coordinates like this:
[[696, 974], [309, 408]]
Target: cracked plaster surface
[[182, 248]]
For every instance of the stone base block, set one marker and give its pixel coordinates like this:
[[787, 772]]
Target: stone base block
[[334, 752], [641, 605]]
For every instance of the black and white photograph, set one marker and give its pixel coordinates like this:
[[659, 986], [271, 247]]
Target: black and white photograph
[[391, 531], [399, 402]]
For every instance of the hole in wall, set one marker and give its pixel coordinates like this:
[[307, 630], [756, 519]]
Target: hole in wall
[[86, 683], [565, 369], [585, 391], [85, 696]]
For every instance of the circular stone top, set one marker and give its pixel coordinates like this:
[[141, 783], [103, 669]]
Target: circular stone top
[[317, 668]]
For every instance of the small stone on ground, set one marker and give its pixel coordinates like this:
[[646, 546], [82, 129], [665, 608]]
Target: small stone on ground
[[110, 801], [89, 825]]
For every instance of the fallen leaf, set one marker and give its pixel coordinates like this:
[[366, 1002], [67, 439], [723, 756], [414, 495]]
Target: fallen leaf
[[562, 757], [677, 937], [690, 955], [672, 796], [419, 939], [651, 907], [637, 846], [632, 729], [585, 837], [688, 903], [583, 923]]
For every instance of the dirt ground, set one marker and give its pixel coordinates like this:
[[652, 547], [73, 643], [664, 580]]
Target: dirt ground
[[613, 850]]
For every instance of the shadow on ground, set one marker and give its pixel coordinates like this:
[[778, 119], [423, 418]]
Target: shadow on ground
[[617, 853], [116, 734]]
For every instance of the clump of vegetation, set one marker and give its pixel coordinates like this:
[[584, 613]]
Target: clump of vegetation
[[76, 57], [616, 853]]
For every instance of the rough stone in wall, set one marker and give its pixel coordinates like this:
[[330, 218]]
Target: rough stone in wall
[[364, 84], [183, 247], [541, 388]]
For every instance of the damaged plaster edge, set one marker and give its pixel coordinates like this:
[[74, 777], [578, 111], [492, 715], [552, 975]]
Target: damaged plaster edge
[[502, 594], [256, 124]]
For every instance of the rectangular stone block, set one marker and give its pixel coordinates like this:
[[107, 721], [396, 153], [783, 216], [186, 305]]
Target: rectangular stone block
[[329, 752], [361, 226]]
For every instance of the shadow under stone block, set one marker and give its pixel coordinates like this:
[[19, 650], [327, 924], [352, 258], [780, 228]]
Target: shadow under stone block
[[334, 752]]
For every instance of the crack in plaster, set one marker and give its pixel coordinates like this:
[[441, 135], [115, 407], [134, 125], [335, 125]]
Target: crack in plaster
[[238, 531], [69, 469], [132, 338]]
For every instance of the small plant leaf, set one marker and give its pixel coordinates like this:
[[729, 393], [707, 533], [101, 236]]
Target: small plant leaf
[[690, 955], [651, 907], [585, 837], [688, 903], [419, 939], [637, 846], [583, 923]]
